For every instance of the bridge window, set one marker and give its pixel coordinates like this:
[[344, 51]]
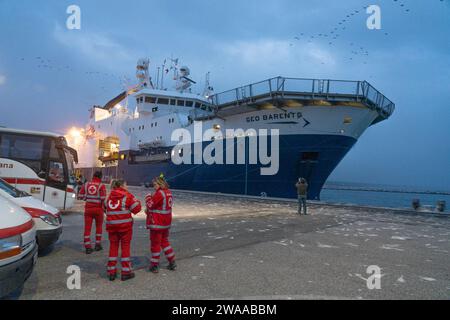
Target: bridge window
[[173, 102], [180, 103], [189, 103], [163, 101], [150, 99], [197, 105]]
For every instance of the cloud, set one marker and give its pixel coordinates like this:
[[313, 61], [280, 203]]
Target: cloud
[[2, 79], [281, 54], [96, 47]]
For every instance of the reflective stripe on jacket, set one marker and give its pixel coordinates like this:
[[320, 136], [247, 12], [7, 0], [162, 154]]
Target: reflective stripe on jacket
[[94, 193], [159, 209], [120, 205]]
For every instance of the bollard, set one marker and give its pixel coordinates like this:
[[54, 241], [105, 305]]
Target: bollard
[[416, 204], [440, 206]]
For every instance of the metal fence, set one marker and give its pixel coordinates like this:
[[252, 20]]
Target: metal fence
[[360, 91]]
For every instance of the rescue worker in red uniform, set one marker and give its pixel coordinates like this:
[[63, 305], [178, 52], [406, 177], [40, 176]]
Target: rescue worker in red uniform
[[94, 193], [120, 205], [159, 220]]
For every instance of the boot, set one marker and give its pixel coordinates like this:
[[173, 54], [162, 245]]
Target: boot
[[112, 277], [89, 250], [98, 247], [128, 276], [172, 266], [153, 269]]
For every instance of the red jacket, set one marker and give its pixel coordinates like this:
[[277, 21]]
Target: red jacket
[[119, 205], [159, 209], [94, 193]]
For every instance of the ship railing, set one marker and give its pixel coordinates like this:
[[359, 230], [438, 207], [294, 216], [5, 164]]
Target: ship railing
[[308, 89]]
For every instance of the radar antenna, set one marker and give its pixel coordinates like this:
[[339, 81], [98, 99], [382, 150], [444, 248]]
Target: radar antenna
[[183, 82], [209, 90]]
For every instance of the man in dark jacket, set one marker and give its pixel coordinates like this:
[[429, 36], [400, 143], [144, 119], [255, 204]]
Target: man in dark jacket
[[302, 192]]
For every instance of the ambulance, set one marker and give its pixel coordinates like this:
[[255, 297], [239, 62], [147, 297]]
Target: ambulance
[[18, 247], [47, 219]]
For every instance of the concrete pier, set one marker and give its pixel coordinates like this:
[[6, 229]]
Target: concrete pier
[[241, 248]]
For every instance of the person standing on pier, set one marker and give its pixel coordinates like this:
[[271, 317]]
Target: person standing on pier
[[94, 193], [302, 192], [159, 220], [120, 205]]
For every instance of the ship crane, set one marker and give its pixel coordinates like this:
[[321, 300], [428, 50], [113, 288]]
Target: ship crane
[[145, 81]]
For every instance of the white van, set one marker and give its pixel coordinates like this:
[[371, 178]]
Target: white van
[[47, 219], [18, 248]]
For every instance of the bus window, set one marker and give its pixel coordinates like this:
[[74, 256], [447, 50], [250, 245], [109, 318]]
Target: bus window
[[70, 167], [56, 172], [26, 149], [54, 152]]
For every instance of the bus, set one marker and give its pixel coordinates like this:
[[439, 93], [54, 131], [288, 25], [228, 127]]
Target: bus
[[39, 163]]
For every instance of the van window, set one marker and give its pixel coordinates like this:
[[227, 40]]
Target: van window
[[9, 189]]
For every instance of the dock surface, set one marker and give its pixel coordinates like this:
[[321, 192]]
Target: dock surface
[[238, 248]]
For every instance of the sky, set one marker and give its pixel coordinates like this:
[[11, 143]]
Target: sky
[[50, 76]]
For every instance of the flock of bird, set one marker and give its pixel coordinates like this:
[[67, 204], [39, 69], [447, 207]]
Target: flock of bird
[[332, 37], [45, 64]]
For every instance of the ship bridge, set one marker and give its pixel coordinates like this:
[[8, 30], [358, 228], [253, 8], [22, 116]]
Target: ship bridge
[[150, 100], [281, 92]]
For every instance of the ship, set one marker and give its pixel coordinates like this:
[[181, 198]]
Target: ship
[[255, 140]]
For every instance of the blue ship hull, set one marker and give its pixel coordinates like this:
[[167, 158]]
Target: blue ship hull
[[313, 157]]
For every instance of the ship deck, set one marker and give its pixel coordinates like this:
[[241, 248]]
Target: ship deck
[[279, 92]]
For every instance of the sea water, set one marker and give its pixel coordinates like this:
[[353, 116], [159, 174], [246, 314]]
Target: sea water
[[382, 195]]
